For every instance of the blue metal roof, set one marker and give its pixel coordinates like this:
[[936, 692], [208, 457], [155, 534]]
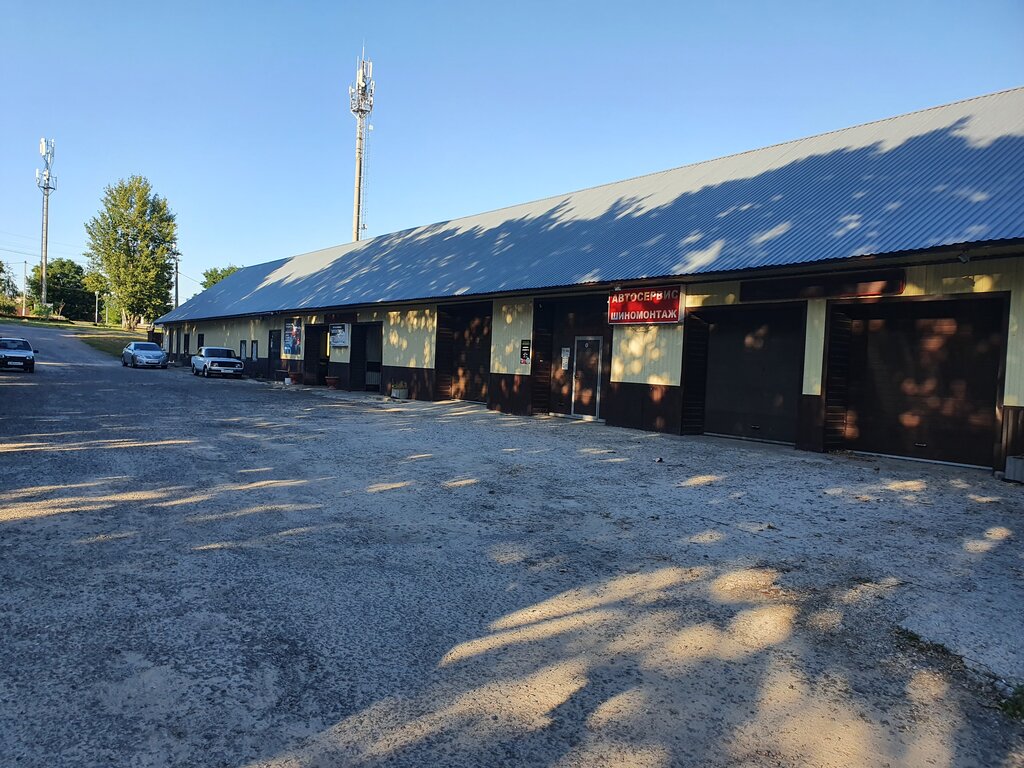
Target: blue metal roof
[[943, 176]]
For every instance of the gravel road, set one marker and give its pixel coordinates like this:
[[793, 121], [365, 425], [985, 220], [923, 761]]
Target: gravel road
[[229, 573]]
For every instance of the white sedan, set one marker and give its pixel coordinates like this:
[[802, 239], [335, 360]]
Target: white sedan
[[216, 360]]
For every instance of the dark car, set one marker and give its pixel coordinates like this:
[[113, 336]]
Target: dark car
[[17, 355]]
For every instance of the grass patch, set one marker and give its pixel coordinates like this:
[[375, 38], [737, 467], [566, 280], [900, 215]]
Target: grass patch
[[109, 340], [1013, 705]]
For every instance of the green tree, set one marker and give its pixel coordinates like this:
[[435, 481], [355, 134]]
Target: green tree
[[214, 275], [65, 289], [131, 242], [8, 286]]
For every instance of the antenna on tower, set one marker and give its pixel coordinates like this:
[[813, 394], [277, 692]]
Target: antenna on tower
[[46, 182], [360, 98]]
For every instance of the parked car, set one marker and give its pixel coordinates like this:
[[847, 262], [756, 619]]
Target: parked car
[[220, 360], [143, 354], [17, 355]]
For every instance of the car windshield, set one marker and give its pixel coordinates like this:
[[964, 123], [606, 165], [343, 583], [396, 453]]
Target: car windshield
[[145, 346], [14, 344], [219, 352]]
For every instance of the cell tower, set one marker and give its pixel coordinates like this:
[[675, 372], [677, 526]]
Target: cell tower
[[360, 98], [47, 182]]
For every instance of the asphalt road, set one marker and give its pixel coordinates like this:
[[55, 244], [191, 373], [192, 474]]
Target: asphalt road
[[227, 573]]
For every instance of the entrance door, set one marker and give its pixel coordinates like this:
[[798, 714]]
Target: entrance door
[[273, 353], [374, 356], [315, 360], [922, 378], [586, 377]]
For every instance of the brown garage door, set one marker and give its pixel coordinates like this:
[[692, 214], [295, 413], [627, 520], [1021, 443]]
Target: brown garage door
[[922, 378], [754, 370], [468, 331]]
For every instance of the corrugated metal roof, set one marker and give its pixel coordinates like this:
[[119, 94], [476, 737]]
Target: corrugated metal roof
[[943, 176]]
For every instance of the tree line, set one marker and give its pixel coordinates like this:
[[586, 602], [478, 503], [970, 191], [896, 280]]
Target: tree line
[[131, 251]]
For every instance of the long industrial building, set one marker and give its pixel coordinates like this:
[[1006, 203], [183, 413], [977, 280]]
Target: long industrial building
[[862, 289]]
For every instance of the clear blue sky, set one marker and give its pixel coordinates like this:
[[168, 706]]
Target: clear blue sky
[[238, 111]]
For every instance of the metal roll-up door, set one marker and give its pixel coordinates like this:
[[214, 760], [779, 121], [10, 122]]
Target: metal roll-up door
[[754, 371], [924, 377]]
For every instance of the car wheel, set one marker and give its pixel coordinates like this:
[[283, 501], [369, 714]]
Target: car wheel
[[164, 366], [123, 363], [206, 372], [32, 368], [194, 371]]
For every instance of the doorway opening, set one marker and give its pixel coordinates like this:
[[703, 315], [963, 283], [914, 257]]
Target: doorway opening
[[366, 357]]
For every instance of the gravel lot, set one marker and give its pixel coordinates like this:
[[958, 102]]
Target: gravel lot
[[224, 573]]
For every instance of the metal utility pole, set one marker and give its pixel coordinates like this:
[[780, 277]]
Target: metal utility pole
[[177, 263], [24, 287], [360, 98], [47, 182]]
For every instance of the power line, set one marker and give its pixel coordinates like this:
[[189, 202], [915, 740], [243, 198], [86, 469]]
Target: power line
[[32, 237]]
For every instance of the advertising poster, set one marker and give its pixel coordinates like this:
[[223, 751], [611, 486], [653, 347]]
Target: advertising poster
[[292, 341], [340, 333]]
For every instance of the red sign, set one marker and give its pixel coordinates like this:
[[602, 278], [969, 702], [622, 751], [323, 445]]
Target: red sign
[[644, 306]]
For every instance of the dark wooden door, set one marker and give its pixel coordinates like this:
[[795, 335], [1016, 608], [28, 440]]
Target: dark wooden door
[[755, 367], [445, 354], [273, 353], [314, 358], [357, 359], [586, 381], [695, 374], [924, 379], [471, 355], [543, 352]]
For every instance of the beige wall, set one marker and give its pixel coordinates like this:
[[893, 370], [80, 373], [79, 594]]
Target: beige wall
[[511, 323], [648, 354], [711, 294], [410, 336], [814, 346]]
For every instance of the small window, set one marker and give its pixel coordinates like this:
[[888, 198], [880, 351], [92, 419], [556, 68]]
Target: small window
[[201, 339], [241, 350], [187, 336], [252, 348]]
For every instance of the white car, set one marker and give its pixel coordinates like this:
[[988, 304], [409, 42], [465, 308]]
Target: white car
[[17, 355], [216, 360]]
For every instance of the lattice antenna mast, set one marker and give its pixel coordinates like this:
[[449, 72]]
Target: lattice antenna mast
[[360, 98], [46, 182]]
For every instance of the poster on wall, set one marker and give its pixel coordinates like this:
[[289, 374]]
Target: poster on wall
[[644, 305], [292, 341], [340, 333]]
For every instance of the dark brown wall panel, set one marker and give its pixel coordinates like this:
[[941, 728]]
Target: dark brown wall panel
[[810, 433], [340, 371], [421, 381], [510, 393], [650, 407]]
